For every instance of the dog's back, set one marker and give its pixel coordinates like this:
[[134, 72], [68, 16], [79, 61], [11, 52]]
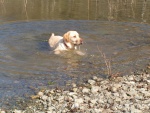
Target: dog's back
[[54, 40]]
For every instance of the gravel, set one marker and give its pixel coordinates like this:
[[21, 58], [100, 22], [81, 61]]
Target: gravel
[[127, 94]]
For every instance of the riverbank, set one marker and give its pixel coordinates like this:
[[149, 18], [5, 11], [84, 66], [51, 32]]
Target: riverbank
[[97, 95]]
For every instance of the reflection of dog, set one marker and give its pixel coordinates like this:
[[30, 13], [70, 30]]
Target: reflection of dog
[[70, 40]]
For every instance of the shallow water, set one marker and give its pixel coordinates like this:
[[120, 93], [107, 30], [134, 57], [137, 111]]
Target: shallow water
[[27, 63]]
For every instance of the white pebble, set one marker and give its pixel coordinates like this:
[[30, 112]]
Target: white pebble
[[92, 82], [40, 94], [85, 90]]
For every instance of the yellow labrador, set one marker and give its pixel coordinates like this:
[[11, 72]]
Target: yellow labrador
[[70, 40]]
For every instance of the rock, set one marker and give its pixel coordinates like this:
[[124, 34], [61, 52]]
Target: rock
[[93, 101], [79, 100], [117, 99], [130, 78], [94, 77], [75, 105], [85, 90], [92, 82], [72, 93], [60, 99], [75, 89], [1, 111], [99, 110], [134, 110], [74, 85], [94, 89], [40, 94], [44, 97], [131, 95], [87, 99], [124, 95], [114, 89], [17, 111]]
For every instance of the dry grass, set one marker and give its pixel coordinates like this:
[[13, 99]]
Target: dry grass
[[108, 64]]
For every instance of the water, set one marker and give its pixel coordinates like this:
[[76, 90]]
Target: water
[[27, 63]]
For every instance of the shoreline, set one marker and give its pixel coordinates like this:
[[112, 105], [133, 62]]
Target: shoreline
[[120, 94]]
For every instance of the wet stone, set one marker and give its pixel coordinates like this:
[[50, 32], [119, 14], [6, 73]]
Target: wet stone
[[101, 97]]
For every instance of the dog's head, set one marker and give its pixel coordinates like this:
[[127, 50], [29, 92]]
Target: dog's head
[[72, 39]]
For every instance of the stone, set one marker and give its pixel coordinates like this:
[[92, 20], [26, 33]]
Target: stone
[[17, 111], [99, 110], [134, 110], [94, 77], [93, 101], [85, 90], [72, 93], [44, 97], [94, 89], [92, 82], [75, 89], [79, 100], [114, 89], [130, 78], [75, 105], [87, 99], [74, 85], [117, 99], [40, 94], [107, 96], [1, 111]]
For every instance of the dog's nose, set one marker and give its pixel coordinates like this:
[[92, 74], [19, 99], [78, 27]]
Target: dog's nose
[[81, 41]]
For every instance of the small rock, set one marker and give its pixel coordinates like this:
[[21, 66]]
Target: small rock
[[40, 94], [72, 93], [117, 99], [87, 99], [134, 110], [130, 78], [75, 105], [95, 89], [1, 111], [75, 89], [17, 111], [114, 89], [92, 82], [74, 85], [93, 101], [79, 101], [85, 90], [94, 77], [98, 110], [44, 97]]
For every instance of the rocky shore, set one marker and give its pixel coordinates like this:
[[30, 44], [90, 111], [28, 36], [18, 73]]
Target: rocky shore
[[127, 94]]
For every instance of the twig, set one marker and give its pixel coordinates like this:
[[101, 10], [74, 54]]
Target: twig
[[107, 62]]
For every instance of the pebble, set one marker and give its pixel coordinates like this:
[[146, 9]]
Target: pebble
[[44, 97], [85, 90], [75, 105], [1, 111], [79, 101], [92, 82], [40, 94], [129, 95], [95, 89], [75, 89]]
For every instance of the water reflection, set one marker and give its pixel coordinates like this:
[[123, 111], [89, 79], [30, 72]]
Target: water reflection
[[116, 10]]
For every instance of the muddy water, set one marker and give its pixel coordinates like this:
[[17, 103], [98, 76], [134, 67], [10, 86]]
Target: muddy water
[[27, 63]]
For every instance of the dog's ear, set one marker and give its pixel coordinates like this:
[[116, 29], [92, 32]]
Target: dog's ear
[[66, 37]]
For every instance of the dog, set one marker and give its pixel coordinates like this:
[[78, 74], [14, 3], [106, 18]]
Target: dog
[[70, 40]]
